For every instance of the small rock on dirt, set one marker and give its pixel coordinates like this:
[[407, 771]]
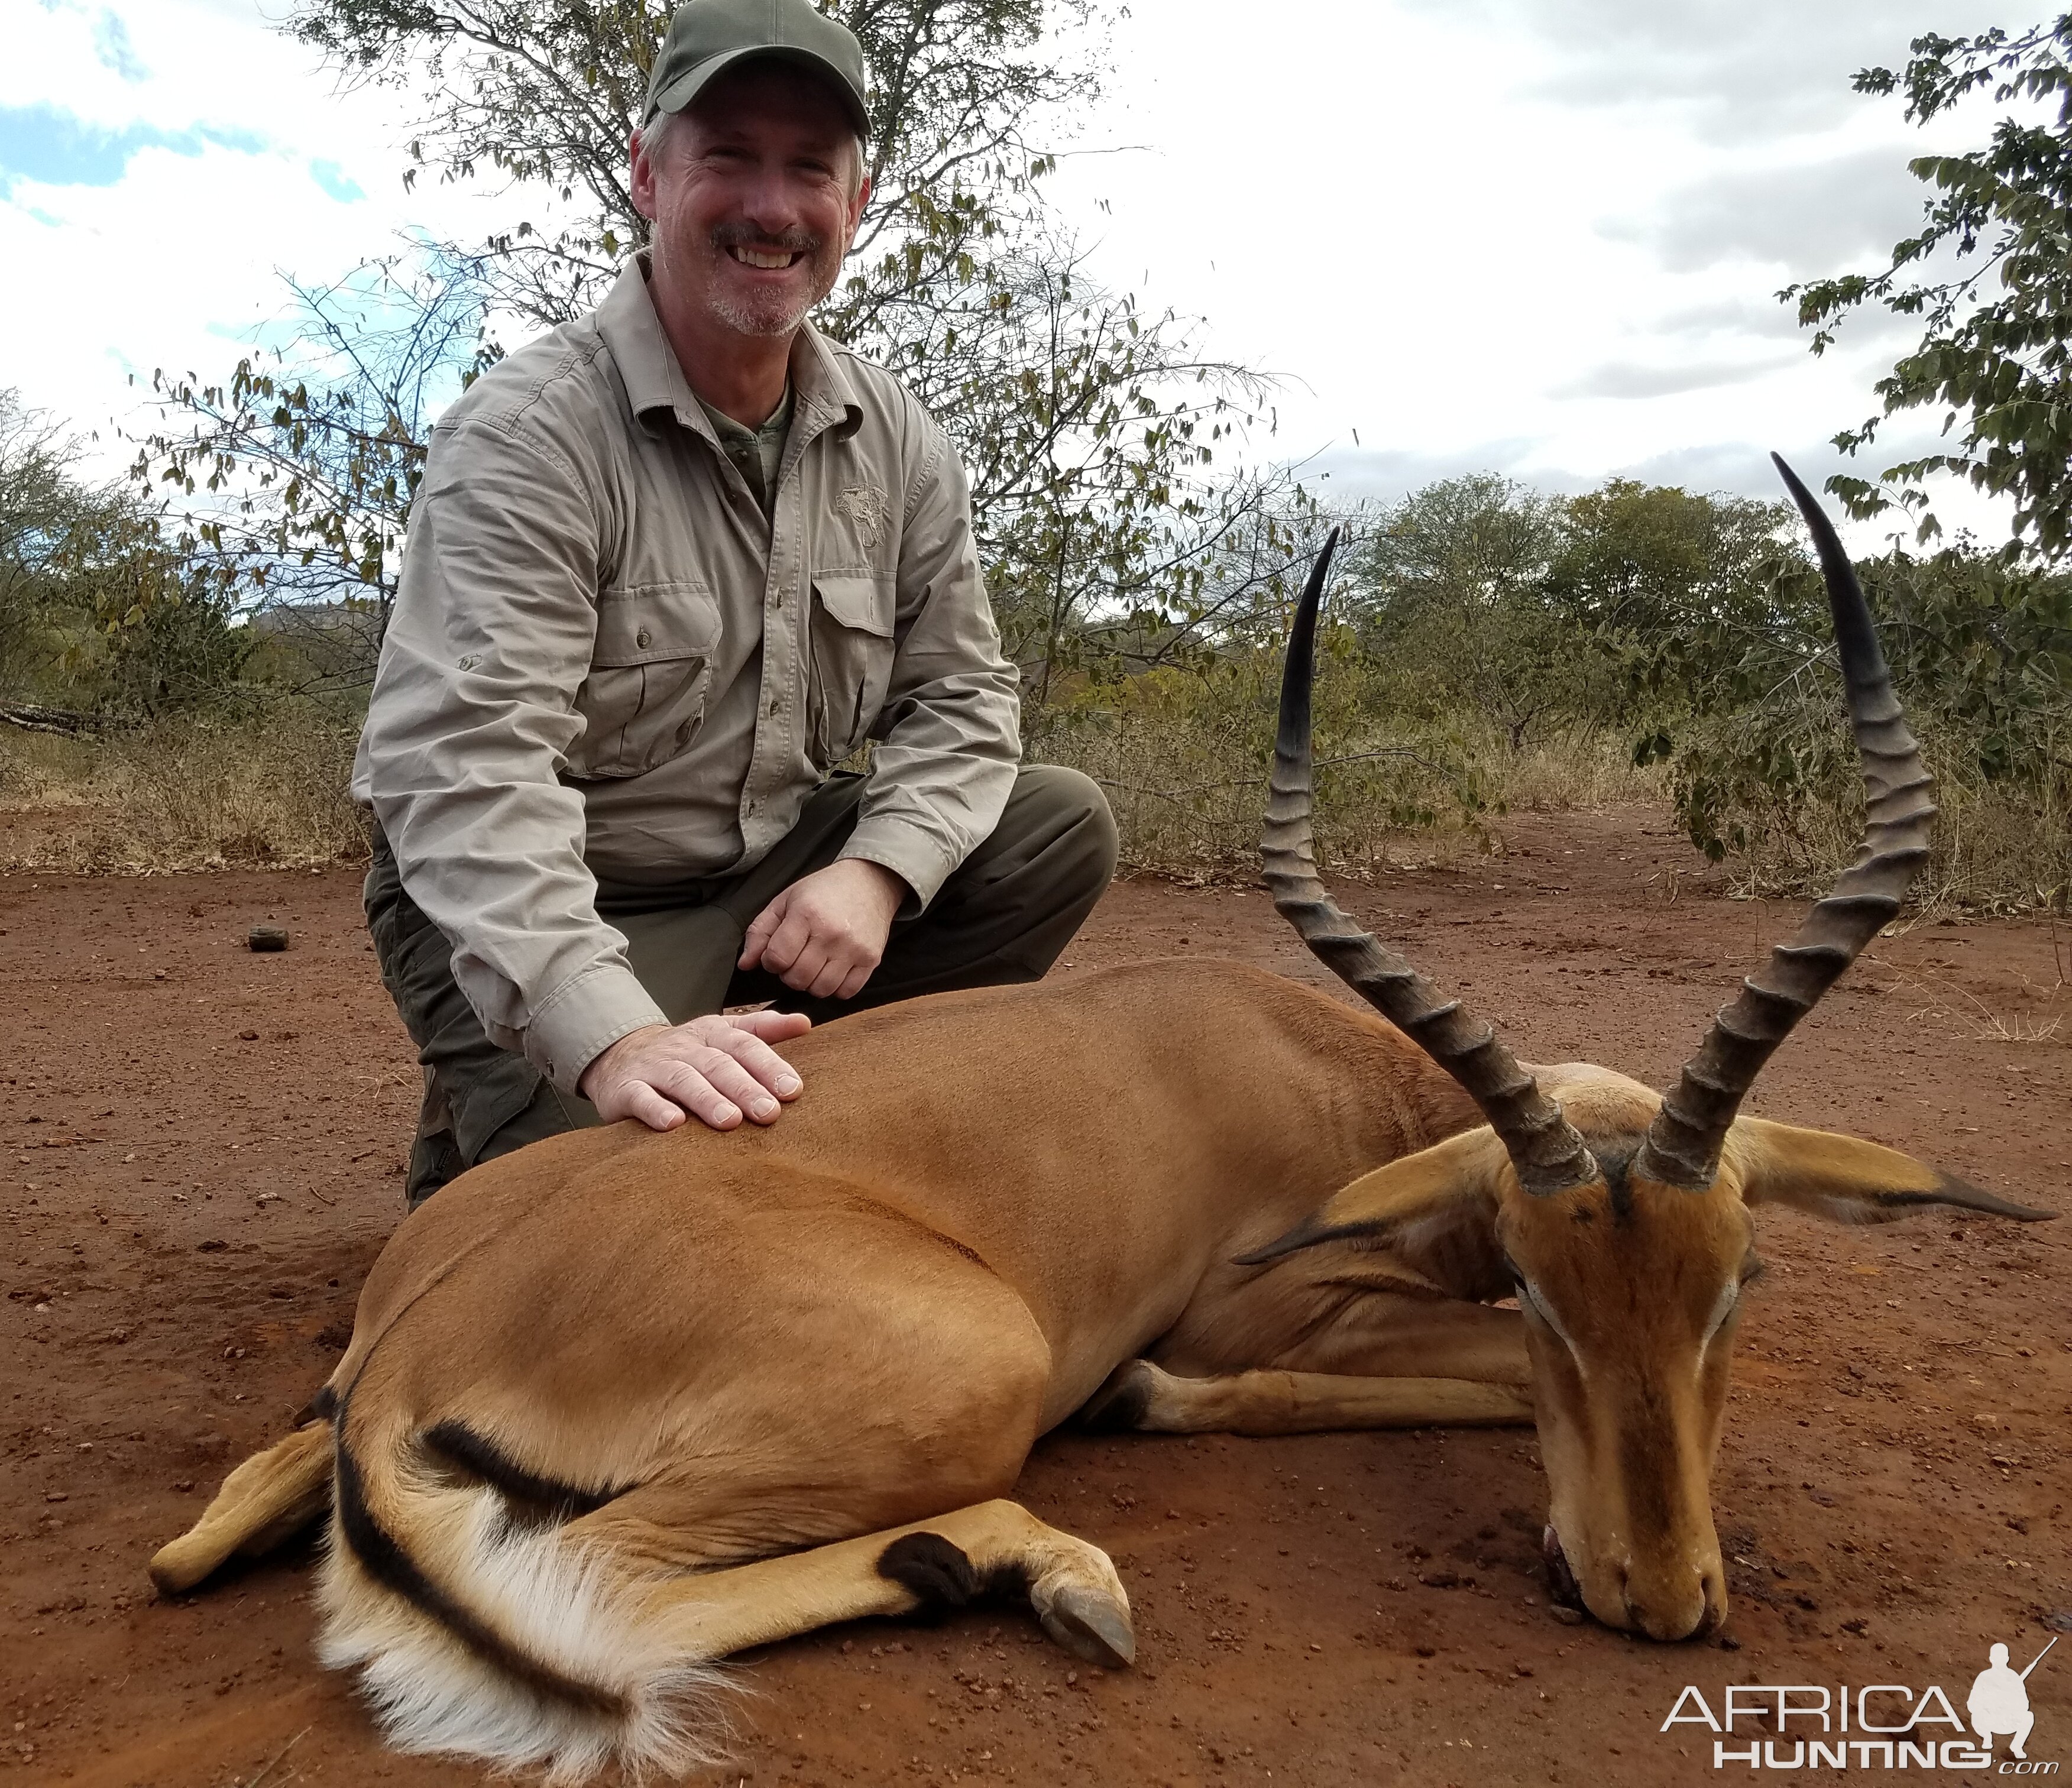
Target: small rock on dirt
[[266, 937]]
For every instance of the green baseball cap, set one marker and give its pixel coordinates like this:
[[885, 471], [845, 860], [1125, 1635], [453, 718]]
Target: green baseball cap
[[707, 37]]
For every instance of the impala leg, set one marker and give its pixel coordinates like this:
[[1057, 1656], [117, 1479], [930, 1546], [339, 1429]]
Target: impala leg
[[1355, 1360], [268, 1499], [1140, 1395], [923, 1567], [1409, 1338]]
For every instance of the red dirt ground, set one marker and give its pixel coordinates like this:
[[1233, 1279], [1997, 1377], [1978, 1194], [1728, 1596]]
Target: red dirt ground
[[202, 1159]]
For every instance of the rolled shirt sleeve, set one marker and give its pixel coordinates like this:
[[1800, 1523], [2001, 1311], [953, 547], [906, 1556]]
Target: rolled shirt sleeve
[[949, 734], [468, 730]]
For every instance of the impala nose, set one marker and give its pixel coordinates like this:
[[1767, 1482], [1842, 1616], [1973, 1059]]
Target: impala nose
[[1665, 1605], [1675, 1603]]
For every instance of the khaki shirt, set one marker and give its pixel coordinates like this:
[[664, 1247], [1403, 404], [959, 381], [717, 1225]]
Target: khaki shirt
[[605, 660]]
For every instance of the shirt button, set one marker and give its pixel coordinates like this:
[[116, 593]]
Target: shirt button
[[644, 639]]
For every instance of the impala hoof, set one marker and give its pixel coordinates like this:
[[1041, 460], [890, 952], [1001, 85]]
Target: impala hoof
[[1091, 1626]]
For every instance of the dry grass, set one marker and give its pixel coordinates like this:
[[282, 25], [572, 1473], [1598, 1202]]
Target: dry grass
[[184, 794], [1945, 1001], [1189, 795], [1189, 791], [1998, 847]]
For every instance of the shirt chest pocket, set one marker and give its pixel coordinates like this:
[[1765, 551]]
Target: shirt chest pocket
[[851, 666], [650, 678]]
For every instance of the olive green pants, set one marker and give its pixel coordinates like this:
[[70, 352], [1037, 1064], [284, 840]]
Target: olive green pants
[[1004, 915]]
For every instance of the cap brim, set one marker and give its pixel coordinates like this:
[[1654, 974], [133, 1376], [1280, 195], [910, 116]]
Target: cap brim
[[687, 86]]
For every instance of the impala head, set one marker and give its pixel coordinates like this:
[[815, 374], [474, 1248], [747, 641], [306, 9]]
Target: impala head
[[1623, 1219]]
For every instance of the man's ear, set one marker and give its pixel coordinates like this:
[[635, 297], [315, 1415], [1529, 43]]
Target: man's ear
[[640, 176], [1433, 1213], [1846, 1180]]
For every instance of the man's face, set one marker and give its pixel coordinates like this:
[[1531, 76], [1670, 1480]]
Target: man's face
[[754, 197]]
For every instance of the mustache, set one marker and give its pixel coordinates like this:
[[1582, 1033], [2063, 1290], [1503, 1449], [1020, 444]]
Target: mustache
[[747, 236]]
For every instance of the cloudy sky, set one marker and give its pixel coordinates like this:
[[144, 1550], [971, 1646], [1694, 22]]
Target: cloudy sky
[[1535, 237]]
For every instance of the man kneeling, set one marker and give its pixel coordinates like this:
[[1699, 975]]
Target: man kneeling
[[670, 566]]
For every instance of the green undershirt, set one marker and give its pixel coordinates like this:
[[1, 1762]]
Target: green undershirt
[[756, 453]]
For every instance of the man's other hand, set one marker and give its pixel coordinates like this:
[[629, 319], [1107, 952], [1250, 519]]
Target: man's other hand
[[716, 1069], [824, 933]]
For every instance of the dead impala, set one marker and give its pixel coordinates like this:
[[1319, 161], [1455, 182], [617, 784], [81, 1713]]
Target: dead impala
[[620, 1404]]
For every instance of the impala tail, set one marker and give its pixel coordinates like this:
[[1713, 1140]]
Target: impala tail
[[481, 1625]]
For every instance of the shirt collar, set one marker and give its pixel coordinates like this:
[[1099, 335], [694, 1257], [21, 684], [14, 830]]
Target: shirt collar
[[654, 378], [823, 387]]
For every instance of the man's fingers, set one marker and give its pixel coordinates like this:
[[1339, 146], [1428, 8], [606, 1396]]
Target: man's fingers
[[636, 1098], [698, 1095], [806, 966], [756, 939], [835, 968], [853, 981], [734, 1082], [757, 1058], [797, 938], [771, 1026]]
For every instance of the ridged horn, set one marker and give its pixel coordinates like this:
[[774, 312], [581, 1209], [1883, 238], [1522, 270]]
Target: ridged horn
[[1681, 1147], [1543, 1147]]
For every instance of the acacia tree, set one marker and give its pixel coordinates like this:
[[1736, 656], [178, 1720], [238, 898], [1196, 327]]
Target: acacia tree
[[99, 618], [1990, 275], [300, 467], [1451, 601], [546, 93], [41, 504]]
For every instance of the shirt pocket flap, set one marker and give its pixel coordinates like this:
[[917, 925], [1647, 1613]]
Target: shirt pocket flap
[[862, 603], [649, 624]]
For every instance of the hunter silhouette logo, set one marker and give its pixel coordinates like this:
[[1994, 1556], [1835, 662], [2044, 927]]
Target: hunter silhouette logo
[[1878, 1726], [1998, 1703]]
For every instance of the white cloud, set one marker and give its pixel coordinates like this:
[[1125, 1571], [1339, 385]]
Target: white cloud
[[1629, 380], [1805, 219], [1541, 239], [1738, 71], [177, 261]]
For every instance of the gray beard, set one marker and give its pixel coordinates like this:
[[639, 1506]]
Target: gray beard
[[771, 314], [774, 316]]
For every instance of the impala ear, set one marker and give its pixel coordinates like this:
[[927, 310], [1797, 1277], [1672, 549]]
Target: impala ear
[[1846, 1180], [1434, 1211]]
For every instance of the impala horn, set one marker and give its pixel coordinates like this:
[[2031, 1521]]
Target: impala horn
[[1543, 1147], [1681, 1147]]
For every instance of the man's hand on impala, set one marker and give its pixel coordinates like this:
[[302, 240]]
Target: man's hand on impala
[[714, 1069]]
